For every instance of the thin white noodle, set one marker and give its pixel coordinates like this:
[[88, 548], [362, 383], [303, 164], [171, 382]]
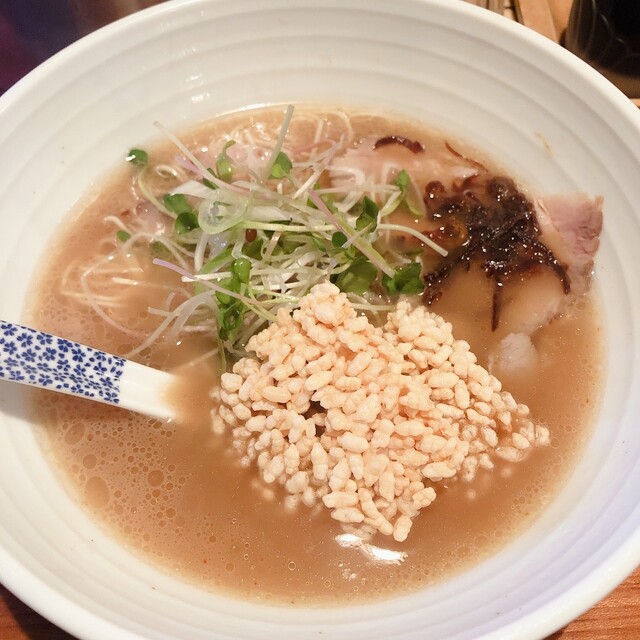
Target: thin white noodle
[[321, 167], [112, 302], [150, 339], [172, 247], [141, 283], [202, 358], [279, 142], [416, 234], [148, 194], [100, 311], [117, 221]]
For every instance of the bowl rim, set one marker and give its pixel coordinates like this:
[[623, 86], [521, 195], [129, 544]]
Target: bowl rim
[[587, 591]]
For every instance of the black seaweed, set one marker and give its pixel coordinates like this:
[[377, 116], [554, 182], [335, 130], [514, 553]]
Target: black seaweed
[[492, 225], [413, 145]]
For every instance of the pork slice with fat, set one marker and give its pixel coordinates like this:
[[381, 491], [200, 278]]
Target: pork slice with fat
[[382, 165], [570, 226]]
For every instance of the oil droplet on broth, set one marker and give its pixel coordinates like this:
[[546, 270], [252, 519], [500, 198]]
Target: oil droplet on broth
[[96, 492], [74, 433], [89, 461], [155, 478]]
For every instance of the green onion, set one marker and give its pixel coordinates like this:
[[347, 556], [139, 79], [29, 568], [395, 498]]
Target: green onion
[[122, 235]]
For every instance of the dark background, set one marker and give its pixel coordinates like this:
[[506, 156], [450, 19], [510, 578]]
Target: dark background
[[33, 30]]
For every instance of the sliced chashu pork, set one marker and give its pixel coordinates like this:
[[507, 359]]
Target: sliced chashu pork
[[570, 226], [381, 165]]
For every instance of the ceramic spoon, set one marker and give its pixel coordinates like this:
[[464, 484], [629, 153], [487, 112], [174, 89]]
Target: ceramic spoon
[[41, 360]]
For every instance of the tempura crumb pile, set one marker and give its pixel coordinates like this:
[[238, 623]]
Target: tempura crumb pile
[[367, 419]]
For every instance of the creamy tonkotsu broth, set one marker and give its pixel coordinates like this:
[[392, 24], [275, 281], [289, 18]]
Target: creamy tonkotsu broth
[[176, 495]]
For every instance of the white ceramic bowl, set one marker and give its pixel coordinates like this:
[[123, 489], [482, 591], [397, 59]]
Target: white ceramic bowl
[[558, 126]]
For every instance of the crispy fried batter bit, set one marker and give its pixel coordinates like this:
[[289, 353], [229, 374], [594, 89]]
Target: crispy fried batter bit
[[367, 419]]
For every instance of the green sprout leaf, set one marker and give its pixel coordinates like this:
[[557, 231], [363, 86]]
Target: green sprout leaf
[[223, 298], [358, 278], [253, 249], [241, 269], [224, 165], [319, 243], [231, 318], [408, 191], [281, 167], [231, 311], [138, 157], [122, 235], [186, 222], [406, 280], [402, 181], [230, 284], [187, 218], [338, 239], [287, 244], [177, 203], [159, 250], [368, 215]]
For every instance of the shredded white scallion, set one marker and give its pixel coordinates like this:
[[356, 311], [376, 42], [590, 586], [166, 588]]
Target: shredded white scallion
[[256, 232]]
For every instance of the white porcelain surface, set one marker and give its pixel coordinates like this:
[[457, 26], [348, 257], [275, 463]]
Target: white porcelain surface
[[552, 120]]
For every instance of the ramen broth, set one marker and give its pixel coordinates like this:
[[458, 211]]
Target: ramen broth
[[174, 493]]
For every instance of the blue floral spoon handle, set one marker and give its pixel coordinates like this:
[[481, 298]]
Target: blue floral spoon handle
[[41, 360]]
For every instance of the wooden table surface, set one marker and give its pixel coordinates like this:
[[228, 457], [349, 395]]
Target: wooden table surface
[[617, 617]]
